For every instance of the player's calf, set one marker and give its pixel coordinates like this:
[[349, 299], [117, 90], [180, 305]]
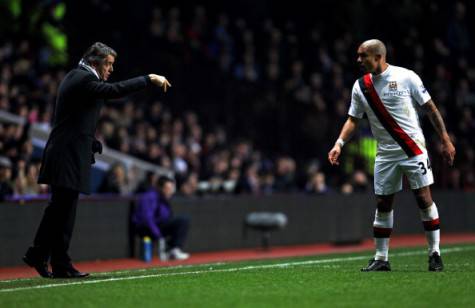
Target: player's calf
[[431, 223], [382, 228]]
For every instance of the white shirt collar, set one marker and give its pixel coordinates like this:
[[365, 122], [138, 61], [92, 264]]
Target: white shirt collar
[[89, 68]]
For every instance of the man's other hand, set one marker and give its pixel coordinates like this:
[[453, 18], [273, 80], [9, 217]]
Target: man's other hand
[[334, 154], [448, 151]]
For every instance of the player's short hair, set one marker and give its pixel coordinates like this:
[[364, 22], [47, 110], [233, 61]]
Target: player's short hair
[[375, 47], [97, 53]]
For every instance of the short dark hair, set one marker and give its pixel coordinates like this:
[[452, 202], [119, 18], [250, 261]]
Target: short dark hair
[[163, 180], [97, 53]]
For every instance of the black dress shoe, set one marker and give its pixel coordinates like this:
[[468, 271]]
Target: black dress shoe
[[41, 266], [68, 272]]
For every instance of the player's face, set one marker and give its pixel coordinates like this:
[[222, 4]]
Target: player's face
[[106, 68], [368, 62]]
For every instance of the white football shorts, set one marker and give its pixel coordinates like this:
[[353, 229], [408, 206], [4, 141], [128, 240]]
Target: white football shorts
[[388, 174]]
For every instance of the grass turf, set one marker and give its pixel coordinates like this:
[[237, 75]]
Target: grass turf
[[319, 281]]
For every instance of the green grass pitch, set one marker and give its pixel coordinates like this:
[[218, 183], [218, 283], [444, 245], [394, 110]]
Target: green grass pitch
[[319, 281]]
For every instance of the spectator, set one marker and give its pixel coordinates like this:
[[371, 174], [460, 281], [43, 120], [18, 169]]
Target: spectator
[[116, 181], [317, 184], [249, 183], [153, 216], [346, 188], [267, 183], [360, 182], [26, 180], [190, 186], [285, 175], [180, 165], [6, 186]]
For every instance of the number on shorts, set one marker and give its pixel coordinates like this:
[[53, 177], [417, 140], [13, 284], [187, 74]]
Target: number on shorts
[[423, 167]]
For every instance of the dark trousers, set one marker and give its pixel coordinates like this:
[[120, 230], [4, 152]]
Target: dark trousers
[[174, 230], [56, 228]]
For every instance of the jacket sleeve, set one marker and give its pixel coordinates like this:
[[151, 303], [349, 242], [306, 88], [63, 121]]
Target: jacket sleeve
[[148, 206], [99, 89]]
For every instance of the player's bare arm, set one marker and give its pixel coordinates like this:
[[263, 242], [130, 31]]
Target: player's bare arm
[[346, 132], [448, 149]]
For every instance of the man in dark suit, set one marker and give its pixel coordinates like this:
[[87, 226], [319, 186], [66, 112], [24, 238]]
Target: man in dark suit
[[69, 153]]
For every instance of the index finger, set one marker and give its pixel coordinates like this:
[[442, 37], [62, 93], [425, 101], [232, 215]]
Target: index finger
[[451, 159]]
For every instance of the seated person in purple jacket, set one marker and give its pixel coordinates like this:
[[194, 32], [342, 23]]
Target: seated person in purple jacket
[[154, 217]]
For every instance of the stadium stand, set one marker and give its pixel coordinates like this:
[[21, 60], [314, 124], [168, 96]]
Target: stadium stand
[[256, 96]]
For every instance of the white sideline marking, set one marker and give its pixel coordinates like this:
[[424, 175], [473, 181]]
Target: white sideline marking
[[138, 270], [233, 269]]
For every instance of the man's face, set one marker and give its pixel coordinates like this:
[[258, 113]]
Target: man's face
[[106, 67], [168, 190], [368, 61]]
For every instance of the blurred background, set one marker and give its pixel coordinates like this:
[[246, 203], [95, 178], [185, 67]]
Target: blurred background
[[260, 90]]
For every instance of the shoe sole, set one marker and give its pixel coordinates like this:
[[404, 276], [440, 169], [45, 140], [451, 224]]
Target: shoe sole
[[69, 277], [378, 270]]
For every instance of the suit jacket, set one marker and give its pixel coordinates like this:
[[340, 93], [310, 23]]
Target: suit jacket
[[67, 156]]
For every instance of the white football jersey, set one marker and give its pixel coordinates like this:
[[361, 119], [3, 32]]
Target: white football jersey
[[395, 122]]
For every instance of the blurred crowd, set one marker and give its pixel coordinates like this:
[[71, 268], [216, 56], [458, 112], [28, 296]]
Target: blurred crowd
[[279, 90]]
